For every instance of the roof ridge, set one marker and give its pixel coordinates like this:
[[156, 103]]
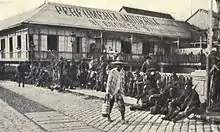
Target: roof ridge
[[146, 10], [39, 9]]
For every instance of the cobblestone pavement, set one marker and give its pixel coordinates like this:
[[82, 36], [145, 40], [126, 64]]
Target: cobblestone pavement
[[13, 121], [87, 110]]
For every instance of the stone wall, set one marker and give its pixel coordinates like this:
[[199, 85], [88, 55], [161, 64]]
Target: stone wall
[[199, 77]]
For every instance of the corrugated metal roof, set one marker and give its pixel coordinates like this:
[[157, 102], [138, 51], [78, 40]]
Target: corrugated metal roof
[[75, 16], [18, 19], [146, 12]]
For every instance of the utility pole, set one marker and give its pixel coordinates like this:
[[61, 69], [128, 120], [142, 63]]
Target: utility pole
[[45, 1], [191, 6], [209, 46]]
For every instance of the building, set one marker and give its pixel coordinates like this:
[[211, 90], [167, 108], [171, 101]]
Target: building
[[126, 9], [200, 19], [54, 30]]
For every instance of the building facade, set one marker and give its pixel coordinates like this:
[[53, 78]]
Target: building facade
[[54, 30]]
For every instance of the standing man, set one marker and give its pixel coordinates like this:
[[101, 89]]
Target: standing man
[[102, 75], [215, 74], [115, 88], [21, 74], [61, 65], [83, 68], [148, 64]]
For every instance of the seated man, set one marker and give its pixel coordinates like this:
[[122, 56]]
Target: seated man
[[163, 98], [187, 102], [146, 103], [137, 85]]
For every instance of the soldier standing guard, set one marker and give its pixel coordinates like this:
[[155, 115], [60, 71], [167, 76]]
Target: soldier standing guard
[[83, 69], [215, 73], [21, 74], [61, 65], [102, 75], [115, 88]]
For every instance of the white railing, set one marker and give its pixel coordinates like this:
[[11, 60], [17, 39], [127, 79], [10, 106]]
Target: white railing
[[16, 56]]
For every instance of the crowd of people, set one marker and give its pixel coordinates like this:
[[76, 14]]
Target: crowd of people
[[144, 84]]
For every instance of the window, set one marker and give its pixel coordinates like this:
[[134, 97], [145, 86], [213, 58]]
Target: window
[[126, 47], [31, 40], [52, 42], [26, 40], [19, 42], [2, 44], [78, 44], [10, 44], [146, 49]]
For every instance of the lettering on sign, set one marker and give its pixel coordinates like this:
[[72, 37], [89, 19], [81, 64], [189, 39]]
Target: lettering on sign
[[117, 19]]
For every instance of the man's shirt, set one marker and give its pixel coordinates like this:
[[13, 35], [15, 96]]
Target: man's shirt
[[116, 82]]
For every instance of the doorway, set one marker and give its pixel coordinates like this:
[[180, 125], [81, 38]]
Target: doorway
[[125, 47], [148, 47]]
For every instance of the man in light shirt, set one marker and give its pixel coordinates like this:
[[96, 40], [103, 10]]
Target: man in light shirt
[[115, 88]]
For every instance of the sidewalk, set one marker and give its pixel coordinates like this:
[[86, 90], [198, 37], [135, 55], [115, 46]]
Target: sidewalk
[[100, 95], [88, 110], [212, 117]]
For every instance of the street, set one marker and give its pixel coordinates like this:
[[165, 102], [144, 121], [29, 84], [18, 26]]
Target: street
[[38, 109]]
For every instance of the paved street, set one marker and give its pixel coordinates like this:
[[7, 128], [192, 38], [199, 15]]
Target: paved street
[[71, 112], [13, 121]]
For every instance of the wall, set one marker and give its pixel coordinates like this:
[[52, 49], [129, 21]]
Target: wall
[[22, 56], [201, 20], [199, 77], [40, 34], [112, 40], [113, 44]]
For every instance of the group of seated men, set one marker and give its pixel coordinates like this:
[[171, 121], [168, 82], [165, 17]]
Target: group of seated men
[[175, 103]]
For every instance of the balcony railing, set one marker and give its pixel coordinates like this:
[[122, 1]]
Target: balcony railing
[[181, 58], [2, 55], [169, 59], [8, 56]]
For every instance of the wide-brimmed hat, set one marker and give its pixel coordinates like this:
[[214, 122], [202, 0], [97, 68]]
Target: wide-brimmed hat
[[119, 61], [148, 57]]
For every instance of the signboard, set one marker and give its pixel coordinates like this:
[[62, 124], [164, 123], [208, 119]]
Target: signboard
[[106, 16], [107, 20]]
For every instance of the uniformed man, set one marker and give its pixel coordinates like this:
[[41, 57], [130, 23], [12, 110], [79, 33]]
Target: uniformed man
[[61, 64], [83, 72], [21, 74], [148, 64], [102, 75], [146, 103], [73, 73], [138, 84], [215, 73], [187, 102]]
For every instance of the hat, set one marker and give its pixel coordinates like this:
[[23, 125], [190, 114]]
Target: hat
[[119, 61], [148, 57]]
